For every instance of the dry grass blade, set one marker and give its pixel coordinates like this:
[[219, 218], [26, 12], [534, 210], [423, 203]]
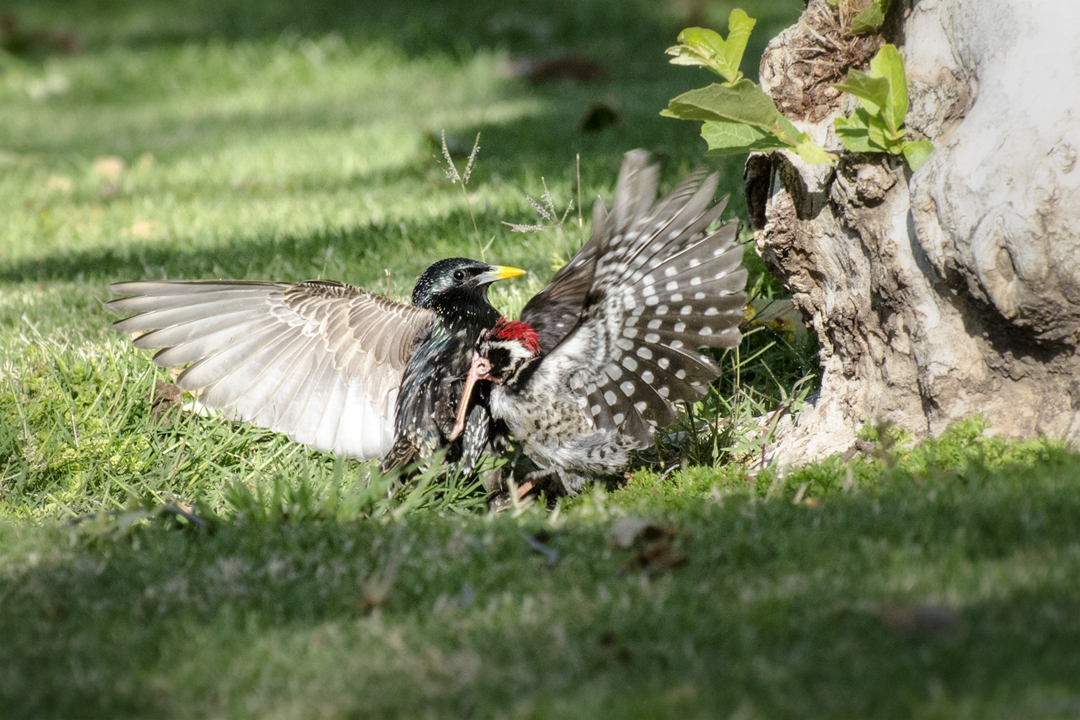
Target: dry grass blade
[[462, 180]]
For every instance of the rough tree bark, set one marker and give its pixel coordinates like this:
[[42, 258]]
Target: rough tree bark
[[954, 290]]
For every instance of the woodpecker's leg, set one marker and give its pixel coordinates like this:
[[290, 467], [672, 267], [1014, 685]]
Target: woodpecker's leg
[[555, 481], [572, 483]]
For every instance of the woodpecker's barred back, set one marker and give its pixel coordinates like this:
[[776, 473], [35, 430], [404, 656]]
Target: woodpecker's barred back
[[616, 331]]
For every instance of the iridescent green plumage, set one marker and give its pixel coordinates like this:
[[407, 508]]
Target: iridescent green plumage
[[456, 290]]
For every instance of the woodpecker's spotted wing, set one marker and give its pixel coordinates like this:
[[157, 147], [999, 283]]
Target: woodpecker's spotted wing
[[662, 286], [554, 311], [319, 361]]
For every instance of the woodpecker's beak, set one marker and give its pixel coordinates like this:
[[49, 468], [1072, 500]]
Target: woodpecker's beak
[[479, 370], [498, 272]]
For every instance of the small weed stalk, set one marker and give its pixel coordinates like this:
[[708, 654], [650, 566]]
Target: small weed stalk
[[462, 179], [580, 222], [546, 211], [551, 219]]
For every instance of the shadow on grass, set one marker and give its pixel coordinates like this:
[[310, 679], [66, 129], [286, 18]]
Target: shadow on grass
[[418, 27], [518, 153], [778, 605]]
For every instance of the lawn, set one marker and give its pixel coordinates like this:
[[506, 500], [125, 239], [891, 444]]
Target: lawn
[[271, 140]]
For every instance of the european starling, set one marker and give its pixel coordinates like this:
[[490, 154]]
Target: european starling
[[331, 365]]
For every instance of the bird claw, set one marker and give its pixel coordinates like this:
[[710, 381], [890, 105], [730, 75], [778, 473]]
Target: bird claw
[[478, 370]]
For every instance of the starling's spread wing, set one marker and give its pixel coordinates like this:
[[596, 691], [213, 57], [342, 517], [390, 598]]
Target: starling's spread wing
[[319, 361], [662, 287]]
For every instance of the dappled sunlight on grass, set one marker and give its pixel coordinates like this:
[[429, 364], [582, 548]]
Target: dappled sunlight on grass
[[155, 561]]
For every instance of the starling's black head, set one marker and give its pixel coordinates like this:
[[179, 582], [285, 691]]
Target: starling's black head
[[455, 285]]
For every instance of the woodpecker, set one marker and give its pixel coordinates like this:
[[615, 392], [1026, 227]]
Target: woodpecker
[[599, 356], [331, 365]]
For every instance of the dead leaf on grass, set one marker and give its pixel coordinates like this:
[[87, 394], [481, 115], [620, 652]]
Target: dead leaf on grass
[[377, 588], [935, 622], [60, 184], [109, 168], [625, 530], [248, 183], [145, 230], [146, 162], [566, 68], [658, 547], [164, 398], [612, 644], [600, 116]]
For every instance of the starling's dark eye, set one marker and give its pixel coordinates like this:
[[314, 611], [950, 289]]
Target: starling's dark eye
[[459, 275]]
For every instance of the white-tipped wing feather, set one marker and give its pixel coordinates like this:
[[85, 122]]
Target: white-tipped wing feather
[[319, 361], [663, 286]]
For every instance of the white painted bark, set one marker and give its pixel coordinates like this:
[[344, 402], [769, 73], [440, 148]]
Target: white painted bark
[[954, 290]]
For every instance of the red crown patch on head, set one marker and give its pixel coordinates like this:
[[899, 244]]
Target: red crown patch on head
[[517, 330]]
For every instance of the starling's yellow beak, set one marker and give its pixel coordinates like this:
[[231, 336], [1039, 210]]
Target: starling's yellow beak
[[498, 272]]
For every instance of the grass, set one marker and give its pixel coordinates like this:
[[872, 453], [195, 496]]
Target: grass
[[271, 141]]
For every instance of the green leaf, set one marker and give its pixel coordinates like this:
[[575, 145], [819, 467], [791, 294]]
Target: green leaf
[[854, 132], [876, 130], [814, 154], [916, 153], [728, 138], [789, 132], [708, 42], [699, 46], [873, 92], [742, 102], [707, 48], [889, 65], [869, 20], [739, 27]]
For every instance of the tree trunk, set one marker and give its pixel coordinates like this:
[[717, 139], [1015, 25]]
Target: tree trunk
[[954, 290]]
